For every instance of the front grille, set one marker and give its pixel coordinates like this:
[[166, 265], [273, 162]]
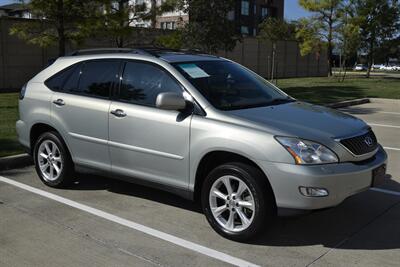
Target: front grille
[[361, 144]]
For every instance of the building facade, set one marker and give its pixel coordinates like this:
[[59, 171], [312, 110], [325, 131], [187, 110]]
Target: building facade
[[168, 20], [249, 14], [16, 11]]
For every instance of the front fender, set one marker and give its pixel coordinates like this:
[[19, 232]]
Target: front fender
[[209, 135]]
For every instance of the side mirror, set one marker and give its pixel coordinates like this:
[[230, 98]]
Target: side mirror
[[170, 101]]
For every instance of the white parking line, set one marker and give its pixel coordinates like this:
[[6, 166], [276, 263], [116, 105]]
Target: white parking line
[[390, 192], [391, 148], [133, 225], [387, 112], [384, 125]]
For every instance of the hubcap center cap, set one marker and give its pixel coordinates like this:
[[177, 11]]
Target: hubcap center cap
[[232, 202]]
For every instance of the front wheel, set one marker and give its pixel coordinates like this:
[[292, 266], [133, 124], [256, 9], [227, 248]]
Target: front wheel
[[237, 201]]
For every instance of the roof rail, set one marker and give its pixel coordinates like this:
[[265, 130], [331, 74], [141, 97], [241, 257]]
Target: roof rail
[[154, 51], [95, 51]]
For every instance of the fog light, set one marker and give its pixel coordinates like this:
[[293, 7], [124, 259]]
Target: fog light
[[313, 191]]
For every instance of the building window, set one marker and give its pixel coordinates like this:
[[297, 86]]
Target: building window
[[245, 7], [264, 12], [168, 25], [231, 15], [244, 30]]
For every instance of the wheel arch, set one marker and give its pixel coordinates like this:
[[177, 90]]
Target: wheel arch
[[38, 129], [215, 158]]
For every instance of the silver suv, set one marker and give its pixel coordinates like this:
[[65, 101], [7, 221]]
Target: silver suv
[[197, 125]]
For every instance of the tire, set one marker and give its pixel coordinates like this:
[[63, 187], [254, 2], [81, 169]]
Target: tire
[[257, 191], [51, 145]]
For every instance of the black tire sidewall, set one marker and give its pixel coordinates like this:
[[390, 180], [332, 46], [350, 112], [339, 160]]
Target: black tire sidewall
[[264, 207], [66, 171]]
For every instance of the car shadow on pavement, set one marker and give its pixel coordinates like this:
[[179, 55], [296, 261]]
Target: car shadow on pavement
[[94, 182]]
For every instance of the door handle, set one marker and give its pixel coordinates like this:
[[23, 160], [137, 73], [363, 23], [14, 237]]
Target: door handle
[[118, 113], [59, 102]]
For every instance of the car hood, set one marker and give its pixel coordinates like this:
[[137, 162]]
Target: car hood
[[302, 120]]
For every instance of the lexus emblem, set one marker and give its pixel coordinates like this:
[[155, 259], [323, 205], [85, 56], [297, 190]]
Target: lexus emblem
[[368, 141]]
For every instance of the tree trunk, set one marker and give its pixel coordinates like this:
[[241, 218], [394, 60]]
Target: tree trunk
[[121, 7], [344, 69], [273, 61], [330, 58], [61, 28], [370, 57], [330, 38], [153, 13]]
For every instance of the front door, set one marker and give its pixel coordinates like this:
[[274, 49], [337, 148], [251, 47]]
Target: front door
[[147, 142]]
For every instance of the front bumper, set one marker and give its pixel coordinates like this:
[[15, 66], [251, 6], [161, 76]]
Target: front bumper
[[341, 180]]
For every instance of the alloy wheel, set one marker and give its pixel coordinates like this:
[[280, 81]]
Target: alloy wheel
[[49, 160], [232, 203]]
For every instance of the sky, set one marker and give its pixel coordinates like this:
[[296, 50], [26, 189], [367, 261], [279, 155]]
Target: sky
[[4, 2], [292, 9]]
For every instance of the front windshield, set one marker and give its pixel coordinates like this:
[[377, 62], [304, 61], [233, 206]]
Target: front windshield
[[228, 86]]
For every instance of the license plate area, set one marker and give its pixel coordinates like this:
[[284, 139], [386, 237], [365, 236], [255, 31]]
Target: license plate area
[[378, 175]]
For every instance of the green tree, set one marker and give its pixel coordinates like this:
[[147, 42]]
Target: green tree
[[323, 22], [209, 28], [309, 38], [348, 38], [59, 23], [388, 49], [378, 21], [114, 18], [173, 40], [275, 30]]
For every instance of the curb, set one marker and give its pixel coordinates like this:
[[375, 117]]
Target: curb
[[17, 161], [348, 103]]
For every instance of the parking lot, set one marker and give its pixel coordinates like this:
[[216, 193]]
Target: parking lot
[[103, 222]]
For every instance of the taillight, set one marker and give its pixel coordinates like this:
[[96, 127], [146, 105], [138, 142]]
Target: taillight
[[22, 93]]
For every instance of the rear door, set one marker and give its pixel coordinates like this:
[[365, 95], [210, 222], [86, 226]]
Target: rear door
[[80, 109], [147, 142]]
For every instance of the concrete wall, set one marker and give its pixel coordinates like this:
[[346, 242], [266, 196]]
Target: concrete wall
[[20, 61]]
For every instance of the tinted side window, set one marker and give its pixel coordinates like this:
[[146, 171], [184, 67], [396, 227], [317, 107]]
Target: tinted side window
[[142, 82], [57, 81], [97, 77], [71, 84]]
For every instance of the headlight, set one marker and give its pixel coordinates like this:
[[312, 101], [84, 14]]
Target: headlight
[[307, 152]]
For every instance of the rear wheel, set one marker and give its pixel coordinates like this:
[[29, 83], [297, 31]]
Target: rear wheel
[[52, 161], [237, 201]]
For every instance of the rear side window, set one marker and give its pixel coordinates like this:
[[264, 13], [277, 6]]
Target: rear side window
[[71, 84], [142, 82], [97, 78], [56, 82]]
